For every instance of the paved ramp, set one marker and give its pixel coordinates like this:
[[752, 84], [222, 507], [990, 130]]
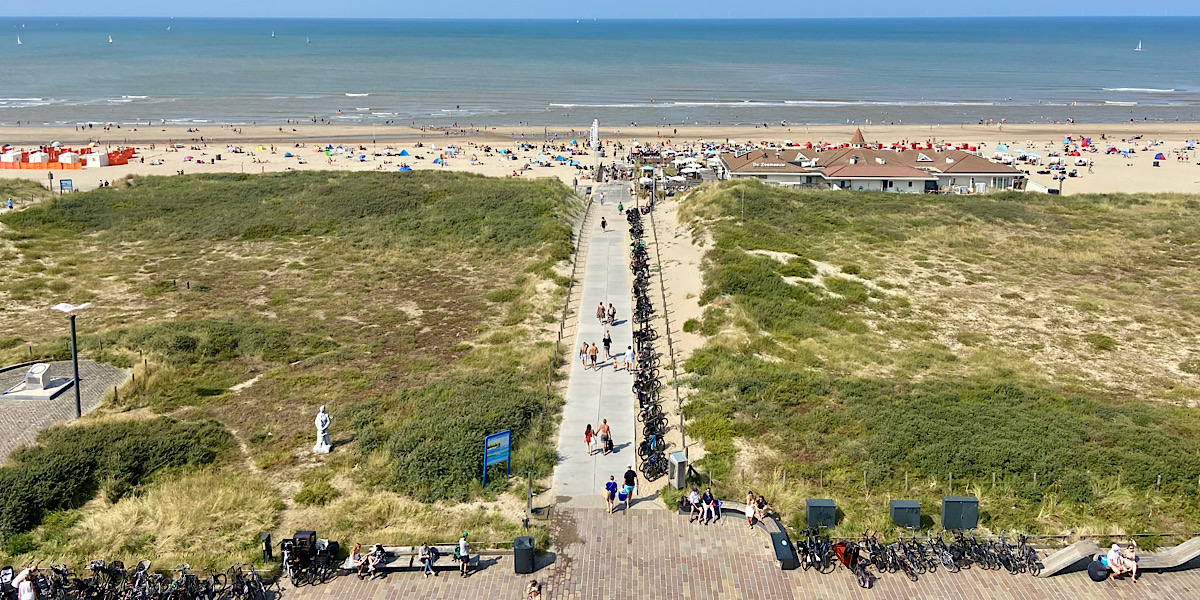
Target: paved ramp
[[593, 395]]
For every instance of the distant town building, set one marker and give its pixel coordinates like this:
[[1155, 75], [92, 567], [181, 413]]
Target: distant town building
[[916, 168]]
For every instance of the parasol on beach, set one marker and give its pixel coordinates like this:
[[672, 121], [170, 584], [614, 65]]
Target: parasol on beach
[[404, 153], [1160, 156], [406, 168]]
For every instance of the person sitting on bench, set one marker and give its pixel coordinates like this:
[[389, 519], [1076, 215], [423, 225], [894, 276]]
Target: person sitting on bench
[[1116, 561], [355, 560], [760, 508], [368, 566], [709, 504], [697, 511], [1130, 559], [427, 557]]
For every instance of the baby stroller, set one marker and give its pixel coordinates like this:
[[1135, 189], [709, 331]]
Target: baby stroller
[[847, 554]]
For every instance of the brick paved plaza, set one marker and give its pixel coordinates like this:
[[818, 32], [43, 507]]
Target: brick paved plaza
[[657, 555], [21, 420]]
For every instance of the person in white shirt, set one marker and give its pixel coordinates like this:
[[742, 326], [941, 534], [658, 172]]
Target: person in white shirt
[[464, 555], [24, 585], [630, 357]]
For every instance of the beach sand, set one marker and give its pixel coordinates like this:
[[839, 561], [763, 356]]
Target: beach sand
[[1111, 173]]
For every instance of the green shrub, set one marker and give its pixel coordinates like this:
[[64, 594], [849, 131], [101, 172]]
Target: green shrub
[[436, 448], [689, 326], [20, 543], [317, 493], [1100, 342], [504, 295], [852, 269], [69, 465]]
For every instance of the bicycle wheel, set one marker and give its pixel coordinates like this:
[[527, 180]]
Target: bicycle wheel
[[828, 563]]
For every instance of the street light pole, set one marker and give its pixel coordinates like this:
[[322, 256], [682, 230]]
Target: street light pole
[[69, 310], [75, 365]]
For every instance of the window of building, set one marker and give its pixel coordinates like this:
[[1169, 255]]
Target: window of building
[[910, 184]]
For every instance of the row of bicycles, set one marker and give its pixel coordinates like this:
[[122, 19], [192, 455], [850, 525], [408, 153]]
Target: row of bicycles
[[113, 581], [646, 384], [305, 560], [914, 557]]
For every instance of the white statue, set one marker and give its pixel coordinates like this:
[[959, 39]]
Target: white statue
[[322, 424]]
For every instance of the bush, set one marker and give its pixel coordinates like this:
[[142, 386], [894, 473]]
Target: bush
[[70, 464], [317, 493], [504, 295], [1100, 342], [436, 451]]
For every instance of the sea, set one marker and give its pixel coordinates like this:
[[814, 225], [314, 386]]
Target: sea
[[552, 72]]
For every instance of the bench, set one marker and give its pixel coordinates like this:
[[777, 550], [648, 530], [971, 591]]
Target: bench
[[785, 552], [393, 561], [1072, 555]]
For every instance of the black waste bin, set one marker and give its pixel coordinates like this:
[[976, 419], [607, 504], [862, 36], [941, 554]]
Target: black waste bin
[[523, 555]]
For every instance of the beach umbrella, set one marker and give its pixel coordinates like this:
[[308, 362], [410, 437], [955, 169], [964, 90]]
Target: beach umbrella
[[1159, 156], [647, 168], [1002, 147], [437, 161], [574, 163], [560, 158], [260, 147], [404, 153], [287, 154], [406, 168]]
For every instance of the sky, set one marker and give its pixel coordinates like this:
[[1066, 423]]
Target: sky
[[611, 9]]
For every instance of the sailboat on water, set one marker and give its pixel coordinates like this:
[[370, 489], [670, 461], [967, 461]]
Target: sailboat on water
[[110, 39], [19, 42], [307, 41], [168, 27], [272, 34], [1139, 48]]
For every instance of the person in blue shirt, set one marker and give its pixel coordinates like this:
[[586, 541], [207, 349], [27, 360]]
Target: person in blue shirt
[[610, 493]]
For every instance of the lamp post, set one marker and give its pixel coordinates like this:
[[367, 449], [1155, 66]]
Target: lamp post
[[68, 309]]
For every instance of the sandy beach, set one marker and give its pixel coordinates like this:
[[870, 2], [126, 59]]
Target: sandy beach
[[1110, 173]]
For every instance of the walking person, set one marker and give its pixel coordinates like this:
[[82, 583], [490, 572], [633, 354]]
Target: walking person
[[601, 313], [750, 509], [612, 314], [631, 484], [593, 354], [603, 224], [629, 359], [583, 354], [605, 436], [610, 493], [587, 438], [607, 345]]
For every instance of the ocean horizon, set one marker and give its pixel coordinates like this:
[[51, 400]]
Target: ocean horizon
[[440, 72]]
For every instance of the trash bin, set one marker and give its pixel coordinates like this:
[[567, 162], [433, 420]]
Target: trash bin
[[523, 555], [677, 470], [265, 541]]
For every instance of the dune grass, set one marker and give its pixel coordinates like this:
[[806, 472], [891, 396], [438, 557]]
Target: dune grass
[[1036, 340], [392, 299]]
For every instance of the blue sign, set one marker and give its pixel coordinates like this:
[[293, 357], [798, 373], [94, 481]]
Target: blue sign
[[496, 449], [65, 185]]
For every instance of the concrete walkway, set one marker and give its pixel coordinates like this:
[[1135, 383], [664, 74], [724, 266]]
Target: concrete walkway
[[593, 395]]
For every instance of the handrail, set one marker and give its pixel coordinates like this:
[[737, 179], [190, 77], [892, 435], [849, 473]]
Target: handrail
[[670, 344]]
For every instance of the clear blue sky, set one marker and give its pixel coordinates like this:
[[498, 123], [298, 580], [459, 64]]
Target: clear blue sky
[[613, 9]]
